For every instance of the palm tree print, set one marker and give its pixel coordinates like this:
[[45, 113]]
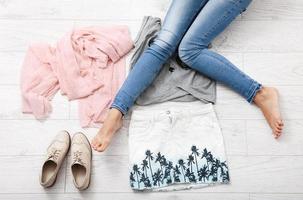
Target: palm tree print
[[137, 172], [150, 158], [203, 173], [176, 172], [196, 153], [145, 180], [132, 179], [157, 177], [205, 154], [190, 162], [183, 168], [198, 167], [144, 166]]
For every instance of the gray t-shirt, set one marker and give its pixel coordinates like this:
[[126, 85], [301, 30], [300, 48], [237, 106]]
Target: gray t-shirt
[[175, 81]]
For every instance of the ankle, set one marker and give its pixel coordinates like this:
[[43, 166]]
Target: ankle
[[115, 114], [260, 96]]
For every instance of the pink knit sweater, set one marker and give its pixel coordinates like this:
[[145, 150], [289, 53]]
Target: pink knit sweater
[[87, 64]]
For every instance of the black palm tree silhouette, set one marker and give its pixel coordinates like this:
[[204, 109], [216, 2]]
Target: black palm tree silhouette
[[137, 172], [202, 173], [218, 165], [190, 162], [163, 163], [157, 177], [190, 175], [210, 158], [211, 168], [225, 177], [183, 167], [159, 159], [205, 154], [145, 166], [176, 173], [150, 157], [213, 173], [167, 174], [195, 152], [132, 179], [145, 180]]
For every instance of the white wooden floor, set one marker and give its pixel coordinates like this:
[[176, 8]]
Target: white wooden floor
[[266, 42]]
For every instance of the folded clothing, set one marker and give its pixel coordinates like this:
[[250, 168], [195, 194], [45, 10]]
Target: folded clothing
[[176, 145], [87, 64], [176, 81]]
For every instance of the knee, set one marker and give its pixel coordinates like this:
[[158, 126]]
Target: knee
[[164, 44], [189, 49]]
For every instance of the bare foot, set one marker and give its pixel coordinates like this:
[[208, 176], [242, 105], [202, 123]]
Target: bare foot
[[111, 125], [267, 99]]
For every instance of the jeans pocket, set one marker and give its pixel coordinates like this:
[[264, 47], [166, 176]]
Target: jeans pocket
[[140, 127], [203, 121]]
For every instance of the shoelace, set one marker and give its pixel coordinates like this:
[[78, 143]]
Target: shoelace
[[54, 154], [77, 158]]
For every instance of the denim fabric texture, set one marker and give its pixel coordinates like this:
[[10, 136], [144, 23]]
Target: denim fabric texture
[[189, 27]]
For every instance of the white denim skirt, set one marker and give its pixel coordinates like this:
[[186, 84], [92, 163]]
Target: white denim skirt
[[176, 145]]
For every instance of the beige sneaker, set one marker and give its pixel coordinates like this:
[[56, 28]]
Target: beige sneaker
[[56, 152], [81, 155]]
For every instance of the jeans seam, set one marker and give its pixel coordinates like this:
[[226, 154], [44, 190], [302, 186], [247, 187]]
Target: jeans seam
[[227, 64], [227, 13]]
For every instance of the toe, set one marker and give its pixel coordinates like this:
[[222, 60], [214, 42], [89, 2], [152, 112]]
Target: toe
[[277, 134], [93, 142], [100, 148], [278, 130]]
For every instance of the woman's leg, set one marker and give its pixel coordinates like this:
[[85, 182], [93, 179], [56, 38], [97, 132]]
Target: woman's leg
[[178, 19], [215, 16]]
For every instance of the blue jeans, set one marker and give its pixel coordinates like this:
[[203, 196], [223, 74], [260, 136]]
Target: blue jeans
[[188, 29]]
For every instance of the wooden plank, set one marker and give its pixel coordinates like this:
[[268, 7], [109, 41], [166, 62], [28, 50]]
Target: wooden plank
[[20, 174], [240, 36], [274, 10], [128, 196], [110, 174], [37, 136], [262, 174], [290, 99], [275, 68], [21, 33], [275, 196], [10, 108], [84, 10], [234, 136], [10, 63], [290, 142], [261, 36], [32, 137]]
